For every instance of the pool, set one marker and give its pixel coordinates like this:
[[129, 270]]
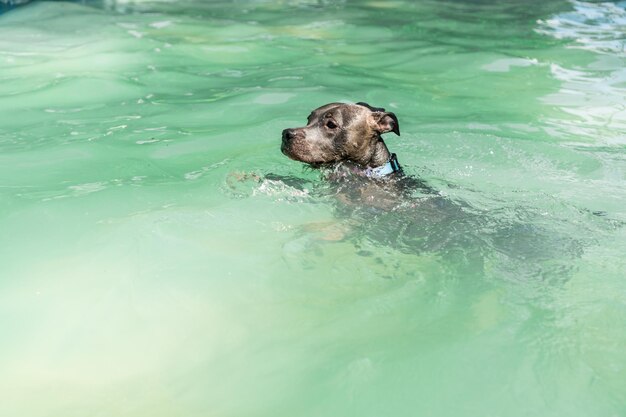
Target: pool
[[141, 276]]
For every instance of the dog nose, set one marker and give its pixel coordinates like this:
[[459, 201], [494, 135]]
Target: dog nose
[[288, 134]]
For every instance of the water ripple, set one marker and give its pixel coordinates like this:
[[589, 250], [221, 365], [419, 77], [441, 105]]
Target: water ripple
[[595, 94], [598, 27]]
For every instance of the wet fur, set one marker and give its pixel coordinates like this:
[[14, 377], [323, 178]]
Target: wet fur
[[339, 132]]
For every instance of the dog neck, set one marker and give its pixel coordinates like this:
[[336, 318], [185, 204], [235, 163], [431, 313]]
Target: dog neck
[[382, 163], [347, 169], [391, 167], [380, 156]]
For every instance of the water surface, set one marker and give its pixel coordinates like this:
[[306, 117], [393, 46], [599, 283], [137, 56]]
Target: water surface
[[140, 276]]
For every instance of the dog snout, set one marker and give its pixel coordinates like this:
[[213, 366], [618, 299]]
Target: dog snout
[[288, 134]]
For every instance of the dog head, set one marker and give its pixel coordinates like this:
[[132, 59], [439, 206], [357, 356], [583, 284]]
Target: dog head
[[341, 132]]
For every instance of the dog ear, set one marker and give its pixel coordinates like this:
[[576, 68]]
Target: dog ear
[[372, 108], [386, 122]]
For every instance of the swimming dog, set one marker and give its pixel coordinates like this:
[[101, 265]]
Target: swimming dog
[[345, 142], [339, 132], [385, 205]]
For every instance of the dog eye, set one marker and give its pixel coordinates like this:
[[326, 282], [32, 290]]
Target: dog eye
[[331, 125]]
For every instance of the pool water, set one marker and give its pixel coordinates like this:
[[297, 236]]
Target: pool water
[[154, 263]]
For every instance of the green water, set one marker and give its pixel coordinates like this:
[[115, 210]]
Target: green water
[[139, 276]]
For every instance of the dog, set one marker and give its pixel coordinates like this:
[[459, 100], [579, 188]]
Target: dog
[[340, 132], [380, 203], [345, 142]]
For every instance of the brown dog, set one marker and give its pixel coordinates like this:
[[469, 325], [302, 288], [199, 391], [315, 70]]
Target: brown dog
[[377, 201], [339, 132]]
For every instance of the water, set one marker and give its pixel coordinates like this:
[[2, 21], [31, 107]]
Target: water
[[151, 266]]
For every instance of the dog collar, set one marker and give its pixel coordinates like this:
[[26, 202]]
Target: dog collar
[[390, 167]]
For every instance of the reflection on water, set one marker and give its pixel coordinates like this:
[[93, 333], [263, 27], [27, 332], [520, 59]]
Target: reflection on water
[[597, 27], [593, 92], [159, 256]]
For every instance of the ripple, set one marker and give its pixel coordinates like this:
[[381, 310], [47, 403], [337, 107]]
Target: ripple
[[598, 27], [88, 188], [504, 65], [273, 98], [593, 95], [196, 174]]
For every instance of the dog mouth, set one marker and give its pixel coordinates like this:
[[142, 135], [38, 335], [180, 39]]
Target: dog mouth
[[289, 153], [295, 147], [287, 146], [284, 148], [294, 157]]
